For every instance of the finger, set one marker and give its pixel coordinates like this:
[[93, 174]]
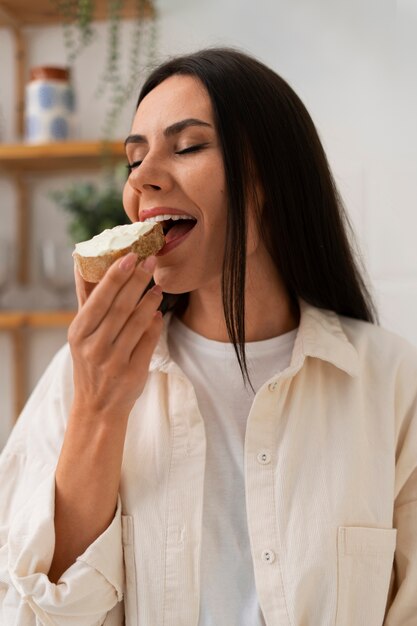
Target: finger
[[138, 322], [126, 301], [101, 299], [144, 350], [82, 287]]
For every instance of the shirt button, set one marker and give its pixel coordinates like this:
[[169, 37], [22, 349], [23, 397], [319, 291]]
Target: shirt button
[[268, 556], [263, 457], [272, 386]]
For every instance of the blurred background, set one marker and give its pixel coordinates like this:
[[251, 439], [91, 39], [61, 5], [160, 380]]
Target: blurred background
[[352, 62]]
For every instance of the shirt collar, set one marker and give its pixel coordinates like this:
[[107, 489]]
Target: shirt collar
[[320, 335]]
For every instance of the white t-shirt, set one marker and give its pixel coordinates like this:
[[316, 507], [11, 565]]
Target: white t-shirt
[[228, 593]]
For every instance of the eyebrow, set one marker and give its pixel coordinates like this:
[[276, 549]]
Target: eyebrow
[[173, 129]]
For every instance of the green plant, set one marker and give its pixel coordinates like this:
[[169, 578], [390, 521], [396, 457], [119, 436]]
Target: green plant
[[78, 32], [77, 25], [93, 208]]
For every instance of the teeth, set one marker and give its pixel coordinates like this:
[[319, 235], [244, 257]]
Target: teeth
[[164, 218], [156, 218]]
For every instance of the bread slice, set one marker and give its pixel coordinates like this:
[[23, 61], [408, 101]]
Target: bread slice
[[93, 268]]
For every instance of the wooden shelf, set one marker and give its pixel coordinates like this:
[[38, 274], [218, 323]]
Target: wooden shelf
[[16, 323], [18, 13], [11, 320], [66, 155]]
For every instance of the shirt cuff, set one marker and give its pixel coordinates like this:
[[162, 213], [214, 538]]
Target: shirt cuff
[[89, 588]]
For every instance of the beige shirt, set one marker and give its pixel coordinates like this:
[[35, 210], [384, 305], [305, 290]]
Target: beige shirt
[[331, 493], [227, 581]]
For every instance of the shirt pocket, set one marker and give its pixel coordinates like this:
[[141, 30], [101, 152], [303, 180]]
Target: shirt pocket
[[130, 593], [365, 557]]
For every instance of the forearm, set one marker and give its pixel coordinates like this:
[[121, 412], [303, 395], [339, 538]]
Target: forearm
[[87, 484]]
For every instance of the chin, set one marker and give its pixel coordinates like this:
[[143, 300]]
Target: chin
[[169, 282]]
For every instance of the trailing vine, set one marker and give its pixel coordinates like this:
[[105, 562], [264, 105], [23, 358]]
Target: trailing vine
[[78, 33], [143, 41], [77, 24]]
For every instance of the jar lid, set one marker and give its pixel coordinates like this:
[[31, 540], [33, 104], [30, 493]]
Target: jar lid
[[46, 72]]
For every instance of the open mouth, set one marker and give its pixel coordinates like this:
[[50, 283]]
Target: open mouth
[[174, 226]]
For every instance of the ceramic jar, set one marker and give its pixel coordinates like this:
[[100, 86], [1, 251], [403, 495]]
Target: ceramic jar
[[49, 106]]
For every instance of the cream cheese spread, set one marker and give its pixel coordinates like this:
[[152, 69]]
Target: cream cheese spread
[[112, 239]]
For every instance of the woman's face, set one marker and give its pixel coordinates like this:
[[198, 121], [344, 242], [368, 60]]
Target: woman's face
[[177, 169]]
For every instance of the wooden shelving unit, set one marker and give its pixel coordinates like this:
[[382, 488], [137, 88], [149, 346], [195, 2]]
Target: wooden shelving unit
[[19, 160]]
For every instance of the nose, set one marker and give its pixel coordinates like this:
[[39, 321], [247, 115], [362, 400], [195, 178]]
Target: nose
[[150, 175]]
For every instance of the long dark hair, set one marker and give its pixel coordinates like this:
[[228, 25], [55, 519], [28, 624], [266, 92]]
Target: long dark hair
[[267, 134]]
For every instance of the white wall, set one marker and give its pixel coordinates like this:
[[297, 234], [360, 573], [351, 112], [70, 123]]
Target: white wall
[[353, 62]]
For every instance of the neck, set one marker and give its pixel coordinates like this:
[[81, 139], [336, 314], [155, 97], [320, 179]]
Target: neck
[[268, 311]]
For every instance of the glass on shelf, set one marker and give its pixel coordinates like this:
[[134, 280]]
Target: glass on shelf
[[57, 271]]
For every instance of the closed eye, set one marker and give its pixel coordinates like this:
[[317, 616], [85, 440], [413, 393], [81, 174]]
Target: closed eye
[[195, 148], [131, 166]]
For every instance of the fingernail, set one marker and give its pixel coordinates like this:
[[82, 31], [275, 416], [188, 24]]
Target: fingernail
[[157, 290], [128, 262], [148, 265]]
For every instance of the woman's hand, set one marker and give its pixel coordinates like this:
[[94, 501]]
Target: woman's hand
[[112, 338]]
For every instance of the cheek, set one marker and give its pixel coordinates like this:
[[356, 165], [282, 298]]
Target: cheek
[[131, 202], [206, 187]]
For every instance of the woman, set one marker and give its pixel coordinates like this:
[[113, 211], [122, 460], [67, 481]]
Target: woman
[[251, 458]]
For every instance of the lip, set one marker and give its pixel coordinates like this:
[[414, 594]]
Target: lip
[[162, 210]]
